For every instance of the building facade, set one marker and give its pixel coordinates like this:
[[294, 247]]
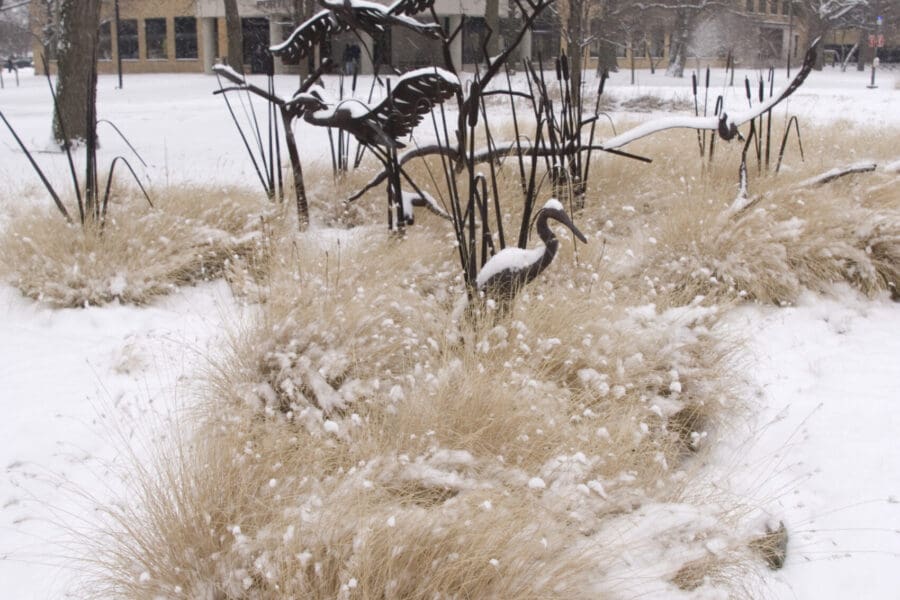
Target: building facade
[[189, 36], [756, 33]]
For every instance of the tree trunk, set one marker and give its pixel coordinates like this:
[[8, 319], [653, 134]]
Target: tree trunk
[[575, 33], [860, 63], [492, 19], [77, 84], [235, 36], [302, 11], [680, 40], [607, 59], [573, 51]]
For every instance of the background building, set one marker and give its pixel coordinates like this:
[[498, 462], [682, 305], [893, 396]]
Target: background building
[[153, 36], [189, 36]]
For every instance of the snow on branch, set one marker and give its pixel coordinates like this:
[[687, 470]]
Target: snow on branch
[[837, 173]]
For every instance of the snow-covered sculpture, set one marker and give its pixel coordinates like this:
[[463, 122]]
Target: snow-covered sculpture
[[507, 272]]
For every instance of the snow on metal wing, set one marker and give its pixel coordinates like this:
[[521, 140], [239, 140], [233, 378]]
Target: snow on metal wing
[[307, 35], [724, 123], [410, 7], [413, 97]]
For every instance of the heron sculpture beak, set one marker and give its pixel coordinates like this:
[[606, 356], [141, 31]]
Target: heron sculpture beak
[[565, 220]]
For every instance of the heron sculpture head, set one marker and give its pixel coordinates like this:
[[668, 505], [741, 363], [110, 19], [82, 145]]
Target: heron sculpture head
[[553, 209]]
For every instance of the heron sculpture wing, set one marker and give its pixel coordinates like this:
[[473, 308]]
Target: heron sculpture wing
[[409, 7], [725, 122], [308, 34], [413, 97]]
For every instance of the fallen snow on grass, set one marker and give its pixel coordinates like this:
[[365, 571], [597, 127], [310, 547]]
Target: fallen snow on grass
[[79, 390], [823, 456]]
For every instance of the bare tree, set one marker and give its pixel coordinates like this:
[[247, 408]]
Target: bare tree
[[575, 19], [823, 16], [15, 38], [235, 36], [75, 117], [492, 20], [681, 17]]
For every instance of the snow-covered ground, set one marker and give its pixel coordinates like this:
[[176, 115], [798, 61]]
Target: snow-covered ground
[[77, 387], [822, 455], [185, 133]]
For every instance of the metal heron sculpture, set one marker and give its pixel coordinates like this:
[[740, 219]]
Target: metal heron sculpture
[[507, 272], [725, 124], [381, 125], [356, 15]]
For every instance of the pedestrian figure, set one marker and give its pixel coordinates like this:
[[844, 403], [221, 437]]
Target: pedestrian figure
[[347, 59], [355, 56]]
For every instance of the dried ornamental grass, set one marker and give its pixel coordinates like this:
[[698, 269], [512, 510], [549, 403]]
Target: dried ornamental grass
[[350, 447], [192, 234]]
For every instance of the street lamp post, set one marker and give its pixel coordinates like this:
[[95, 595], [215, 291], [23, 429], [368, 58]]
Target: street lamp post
[[790, 36], [877, 41], [118, 47]]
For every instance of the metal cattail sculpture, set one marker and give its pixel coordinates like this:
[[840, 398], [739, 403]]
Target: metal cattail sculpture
[[289, 111]]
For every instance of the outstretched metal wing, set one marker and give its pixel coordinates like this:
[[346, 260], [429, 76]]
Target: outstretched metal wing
[[413, 97], [307, 35], [409, 7], [726, 123]]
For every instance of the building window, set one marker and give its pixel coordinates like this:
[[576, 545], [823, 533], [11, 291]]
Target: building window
[[749, 5], [186, 37], [761, 6], [773, 7], [286, 30], [155, 30], [473, 34], [657, 43], [104, 44], [785, 7], [127, 39]]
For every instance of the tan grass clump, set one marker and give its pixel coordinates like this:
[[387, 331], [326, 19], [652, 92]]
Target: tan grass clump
[[672, 238], [191, 235], [788, 240], [360, 443]]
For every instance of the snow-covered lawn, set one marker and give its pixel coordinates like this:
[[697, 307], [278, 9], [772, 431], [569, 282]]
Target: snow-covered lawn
[[79, 386], [821, 453]]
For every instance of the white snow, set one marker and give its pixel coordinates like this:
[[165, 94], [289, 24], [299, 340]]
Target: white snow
[[508, 259], [553, 204], [536, 483], [442, 73], [822, 454], [78, 388], [857, 167]]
